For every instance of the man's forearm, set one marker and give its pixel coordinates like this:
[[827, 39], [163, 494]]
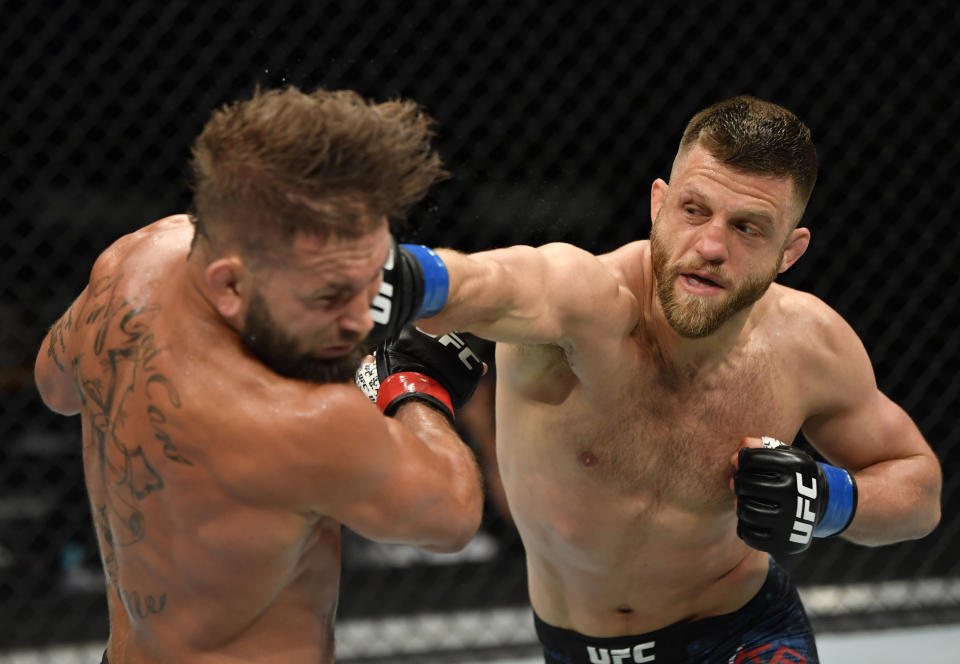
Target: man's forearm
[[465, 502], [899, 500]]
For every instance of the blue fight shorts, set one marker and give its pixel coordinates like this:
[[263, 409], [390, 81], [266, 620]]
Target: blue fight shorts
[[772, 628]]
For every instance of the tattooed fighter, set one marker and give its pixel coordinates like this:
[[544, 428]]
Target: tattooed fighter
[[211, 358]]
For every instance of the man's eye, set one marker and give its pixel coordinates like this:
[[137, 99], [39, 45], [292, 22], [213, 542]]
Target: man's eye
[[747, 229]]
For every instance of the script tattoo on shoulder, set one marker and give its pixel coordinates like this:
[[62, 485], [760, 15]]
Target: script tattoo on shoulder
[[58, 341], [121, 387]]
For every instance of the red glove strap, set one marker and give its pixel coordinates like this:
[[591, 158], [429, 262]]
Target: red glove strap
[[396, 384]]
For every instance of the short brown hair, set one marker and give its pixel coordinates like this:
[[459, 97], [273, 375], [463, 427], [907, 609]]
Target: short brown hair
[[757, 137], [325, 163]]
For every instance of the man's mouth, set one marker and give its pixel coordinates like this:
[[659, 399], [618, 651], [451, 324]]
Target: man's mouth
[[336, 351], [699, 283]]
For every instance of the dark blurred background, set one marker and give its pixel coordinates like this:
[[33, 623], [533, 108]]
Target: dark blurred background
[[554, 118]]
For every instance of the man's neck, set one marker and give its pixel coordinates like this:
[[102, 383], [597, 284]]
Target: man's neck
[[691, 356]]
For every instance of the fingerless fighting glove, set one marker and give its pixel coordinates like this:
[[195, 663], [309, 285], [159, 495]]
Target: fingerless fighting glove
[[785, 498], [414, 285], [442, 371]]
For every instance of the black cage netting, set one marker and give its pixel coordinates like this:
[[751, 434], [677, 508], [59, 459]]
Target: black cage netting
[[554, 119]]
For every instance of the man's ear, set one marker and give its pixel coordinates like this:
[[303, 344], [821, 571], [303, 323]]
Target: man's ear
[[226, 282], [797, 244], [658, 194]]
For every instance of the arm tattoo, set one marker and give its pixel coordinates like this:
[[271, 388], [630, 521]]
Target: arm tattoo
[[58, 333], [143, 607]]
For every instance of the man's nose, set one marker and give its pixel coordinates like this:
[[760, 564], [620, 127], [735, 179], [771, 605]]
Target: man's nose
[[356, 316], [711, 242]]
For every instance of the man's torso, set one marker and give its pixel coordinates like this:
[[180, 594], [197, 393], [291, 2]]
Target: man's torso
[[622, 494], [170, 426]]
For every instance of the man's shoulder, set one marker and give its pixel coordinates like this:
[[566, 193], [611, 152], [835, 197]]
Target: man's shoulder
[[631, 264], [626, 253], [821, 350], [791, 307], [129, 269], [167, 233], [808, 329]]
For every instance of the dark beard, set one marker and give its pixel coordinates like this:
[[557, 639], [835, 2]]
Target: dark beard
[[694, 319], [278, 351]]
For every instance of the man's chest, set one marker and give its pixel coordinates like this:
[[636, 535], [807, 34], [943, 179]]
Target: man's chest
[[673, 437]]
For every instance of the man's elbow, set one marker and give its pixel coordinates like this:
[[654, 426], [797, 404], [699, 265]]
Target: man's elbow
[[462, 522], [926, 508], [472, 514], [930, 509], [61, 406], [58, 397], [932, 521]]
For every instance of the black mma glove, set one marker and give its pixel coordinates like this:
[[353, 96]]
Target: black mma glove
[[785, 498], [443, 371], [414, 285]]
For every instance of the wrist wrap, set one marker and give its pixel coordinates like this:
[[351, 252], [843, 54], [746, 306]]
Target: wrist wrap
[[841, 501], [436, 279], [396, 388]]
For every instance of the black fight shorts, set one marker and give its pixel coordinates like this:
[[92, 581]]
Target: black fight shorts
[[771, 627]]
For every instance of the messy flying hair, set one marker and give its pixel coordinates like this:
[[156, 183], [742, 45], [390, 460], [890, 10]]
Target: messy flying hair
[[323, 163], [756, 137]]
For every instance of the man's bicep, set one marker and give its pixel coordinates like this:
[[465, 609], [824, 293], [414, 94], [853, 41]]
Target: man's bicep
[[390, 486], [527, 295], [371, 471], [855, 424], [870, 431]]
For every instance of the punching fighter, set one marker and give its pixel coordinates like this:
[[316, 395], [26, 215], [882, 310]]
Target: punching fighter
[[644, 397]]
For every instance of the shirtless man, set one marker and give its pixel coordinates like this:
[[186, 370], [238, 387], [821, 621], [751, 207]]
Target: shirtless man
[[211, 359], [634, 389]]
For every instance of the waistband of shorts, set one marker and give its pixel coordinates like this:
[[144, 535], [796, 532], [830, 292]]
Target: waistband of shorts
[[776, 585]]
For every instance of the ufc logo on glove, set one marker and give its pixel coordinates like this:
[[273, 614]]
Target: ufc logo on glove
[[806, 518], [465, 354]]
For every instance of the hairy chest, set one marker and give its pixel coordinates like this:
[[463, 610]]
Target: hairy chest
[[670, 438]]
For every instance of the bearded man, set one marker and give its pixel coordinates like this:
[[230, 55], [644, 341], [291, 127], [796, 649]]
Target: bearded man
[[641, 397]]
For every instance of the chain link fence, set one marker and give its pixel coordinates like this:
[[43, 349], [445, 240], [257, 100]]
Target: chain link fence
[[554, 117]]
